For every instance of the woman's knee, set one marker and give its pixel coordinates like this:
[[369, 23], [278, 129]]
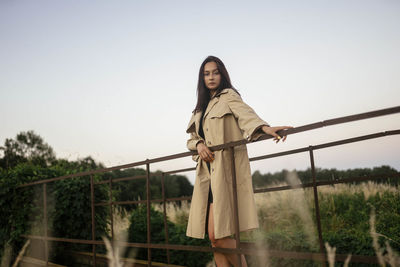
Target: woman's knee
[[217, 242]]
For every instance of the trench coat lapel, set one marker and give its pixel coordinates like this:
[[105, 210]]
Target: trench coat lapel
[[210, 106], [214, 101], [195, 120]]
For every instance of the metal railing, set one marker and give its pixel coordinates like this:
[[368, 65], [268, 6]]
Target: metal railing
[[241, 247]]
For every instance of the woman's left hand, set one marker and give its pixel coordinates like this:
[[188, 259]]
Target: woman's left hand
[[272, 131]]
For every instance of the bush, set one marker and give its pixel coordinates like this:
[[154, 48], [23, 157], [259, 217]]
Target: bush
[[345, 221], [68, 203], [177, 235], [175, 185], [17, 209]]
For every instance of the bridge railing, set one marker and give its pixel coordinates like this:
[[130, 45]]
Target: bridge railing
[[241, 247]]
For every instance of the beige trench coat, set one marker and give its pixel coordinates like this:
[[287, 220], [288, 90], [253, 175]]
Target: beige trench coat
[[227, 118]]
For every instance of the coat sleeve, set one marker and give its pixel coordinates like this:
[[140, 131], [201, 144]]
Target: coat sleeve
[[249, 122], [194, 138], [193, 141]]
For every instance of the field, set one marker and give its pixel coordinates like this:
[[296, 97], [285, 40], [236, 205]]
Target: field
[[287, 221], [356, 219]]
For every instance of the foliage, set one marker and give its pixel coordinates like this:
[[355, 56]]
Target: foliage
[[16, 206], [175, 185], [345, 221], [177, 235], [28, 158], [26, 147], [68, 202]]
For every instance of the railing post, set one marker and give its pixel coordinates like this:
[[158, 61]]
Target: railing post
[[46, 244], [235, 204], [93, 219], [317, 215], [148, 214], [165, 215], [111, 208]]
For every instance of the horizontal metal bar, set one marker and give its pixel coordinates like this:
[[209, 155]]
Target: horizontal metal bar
[[322, 183], [246, 248], [178, 198], [181, 170], [345, 119], [358, 179], [340, 120], [127, 261], [127, 202], [130, 202], [362, 116], [279, 154], [325, 145], [308, 127], [250, 248], [124, 179], [119, 167], [357, 139]]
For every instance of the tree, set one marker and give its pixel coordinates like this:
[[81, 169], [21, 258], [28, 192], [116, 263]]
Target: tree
[[26, 147]]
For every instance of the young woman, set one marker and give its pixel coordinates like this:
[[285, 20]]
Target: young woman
[[220, 116]]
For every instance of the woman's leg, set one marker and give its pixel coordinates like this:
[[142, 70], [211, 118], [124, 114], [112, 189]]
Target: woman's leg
[[221, 259], [228, 242]]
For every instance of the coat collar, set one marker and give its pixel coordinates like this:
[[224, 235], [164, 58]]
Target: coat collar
[[194, 122], [214, 101]]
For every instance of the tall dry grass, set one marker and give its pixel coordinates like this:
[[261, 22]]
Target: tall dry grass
[[331, 254], [390, 257], [285, 208], [178, 214], [21, 253], [116, 248], [279, 207], [6, 256], [368, 189]]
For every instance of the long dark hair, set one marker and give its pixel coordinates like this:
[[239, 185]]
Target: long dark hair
[[203, 93]]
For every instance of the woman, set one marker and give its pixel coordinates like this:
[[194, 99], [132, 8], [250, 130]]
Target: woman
[[220, 117]]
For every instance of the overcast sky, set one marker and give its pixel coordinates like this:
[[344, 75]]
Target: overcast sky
[[117, 79]]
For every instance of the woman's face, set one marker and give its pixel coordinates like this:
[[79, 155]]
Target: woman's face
[[212, 77]]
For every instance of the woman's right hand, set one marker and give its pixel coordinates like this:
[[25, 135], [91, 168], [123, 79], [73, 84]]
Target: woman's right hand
[[204, 152]]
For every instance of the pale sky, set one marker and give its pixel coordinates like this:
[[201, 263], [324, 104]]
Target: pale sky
[[117, 79]]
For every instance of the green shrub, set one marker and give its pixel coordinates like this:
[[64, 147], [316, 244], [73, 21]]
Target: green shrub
[[177, 235], [17, 207], [345, 221], [68, 203]]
